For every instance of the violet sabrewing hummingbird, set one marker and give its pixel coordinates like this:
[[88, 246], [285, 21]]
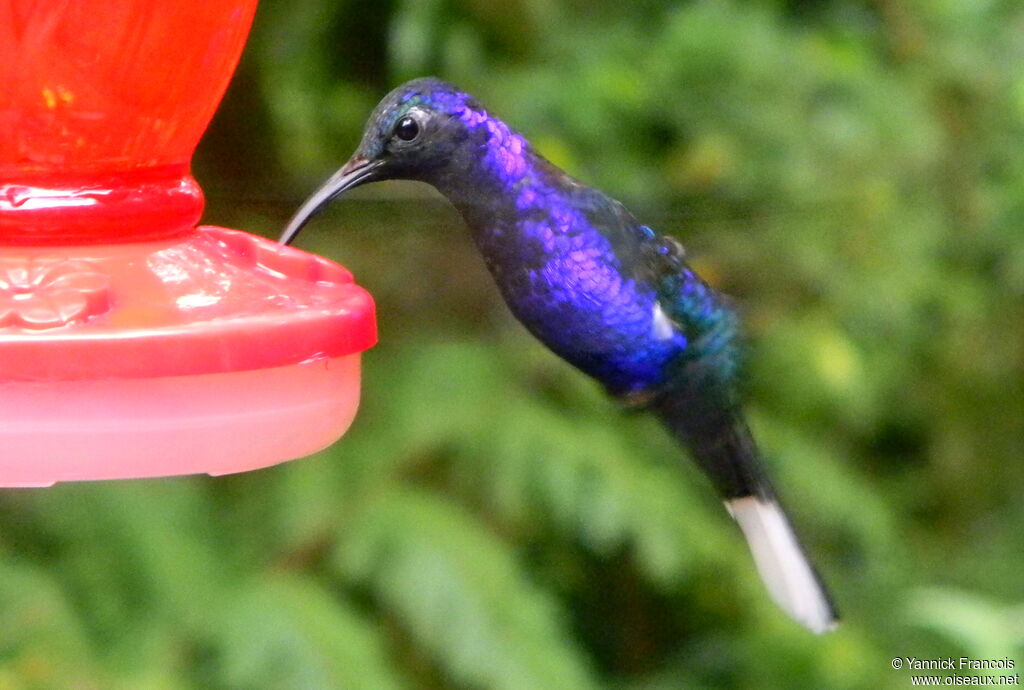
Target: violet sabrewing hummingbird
[[606, 293]]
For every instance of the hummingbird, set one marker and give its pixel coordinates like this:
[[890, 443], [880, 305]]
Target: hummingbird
[[600, 289]]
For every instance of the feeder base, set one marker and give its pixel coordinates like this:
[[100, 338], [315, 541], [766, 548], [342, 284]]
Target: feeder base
[[216, 423]]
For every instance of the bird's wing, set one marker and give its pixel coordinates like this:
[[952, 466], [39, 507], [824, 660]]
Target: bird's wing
[[694, 308]]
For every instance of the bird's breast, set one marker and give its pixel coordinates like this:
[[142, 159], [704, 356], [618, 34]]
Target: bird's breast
[[564, 282]]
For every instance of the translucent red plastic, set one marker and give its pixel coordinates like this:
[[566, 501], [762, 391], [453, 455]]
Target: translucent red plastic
[[102, 104], [133, 343]]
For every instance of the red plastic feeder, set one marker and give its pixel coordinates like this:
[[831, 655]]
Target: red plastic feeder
[[133, 343]]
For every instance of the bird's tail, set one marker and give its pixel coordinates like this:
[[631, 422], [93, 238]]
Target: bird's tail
[[791, 579], [723, 447]]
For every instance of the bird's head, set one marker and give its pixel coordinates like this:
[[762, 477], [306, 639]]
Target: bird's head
[[424, 130]]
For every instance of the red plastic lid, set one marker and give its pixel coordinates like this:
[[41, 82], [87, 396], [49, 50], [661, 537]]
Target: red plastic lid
[[216, 301]]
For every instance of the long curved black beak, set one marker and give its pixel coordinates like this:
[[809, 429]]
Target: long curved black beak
[[355, 172]]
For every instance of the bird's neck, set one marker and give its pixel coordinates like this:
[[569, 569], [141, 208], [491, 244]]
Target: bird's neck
[[490, 174], [495, 186]]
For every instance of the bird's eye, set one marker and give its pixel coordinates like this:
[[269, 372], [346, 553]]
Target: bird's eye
[[407, 129]]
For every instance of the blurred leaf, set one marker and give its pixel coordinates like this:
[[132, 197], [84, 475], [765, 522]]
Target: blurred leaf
[[981, 627], [42, 641], [460, 592], [288, 632]]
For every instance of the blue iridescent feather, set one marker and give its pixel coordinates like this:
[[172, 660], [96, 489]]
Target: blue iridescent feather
[[606, 293]]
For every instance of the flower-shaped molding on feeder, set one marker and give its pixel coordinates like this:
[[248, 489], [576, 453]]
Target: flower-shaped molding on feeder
[[48, 292], [133, 343]]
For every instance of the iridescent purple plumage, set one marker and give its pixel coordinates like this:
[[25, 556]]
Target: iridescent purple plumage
[[574, 267], [604, 292]]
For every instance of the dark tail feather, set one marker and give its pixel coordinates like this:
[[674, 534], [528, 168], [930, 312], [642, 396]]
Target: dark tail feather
[[723, 447]]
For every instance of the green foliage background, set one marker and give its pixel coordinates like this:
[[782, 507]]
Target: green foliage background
[[850, 170]]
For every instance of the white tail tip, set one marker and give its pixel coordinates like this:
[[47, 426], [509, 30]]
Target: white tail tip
[[780, 560]]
